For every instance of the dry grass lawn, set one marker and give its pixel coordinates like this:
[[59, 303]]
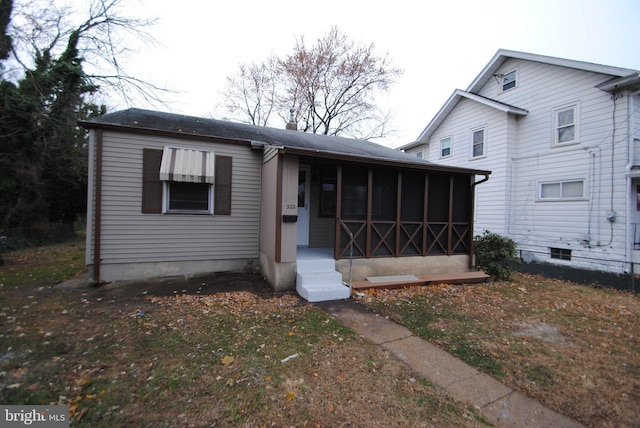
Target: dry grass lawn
[[574, 348], [197, 355]]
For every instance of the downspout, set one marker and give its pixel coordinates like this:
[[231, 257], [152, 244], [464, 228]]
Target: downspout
[[97, 223], [472, 216], [278, 225]]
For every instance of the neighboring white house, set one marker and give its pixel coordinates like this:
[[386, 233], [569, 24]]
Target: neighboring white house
[[562, 139]]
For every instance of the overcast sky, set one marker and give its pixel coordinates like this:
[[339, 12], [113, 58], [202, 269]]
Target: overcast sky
[[440, 45]]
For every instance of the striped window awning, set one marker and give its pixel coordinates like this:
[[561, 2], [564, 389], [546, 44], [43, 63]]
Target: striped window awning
[[187, 165]]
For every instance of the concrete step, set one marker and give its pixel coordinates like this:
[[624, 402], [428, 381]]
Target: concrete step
[[312, 279], [320, 286], [316, 265], [323, 293]]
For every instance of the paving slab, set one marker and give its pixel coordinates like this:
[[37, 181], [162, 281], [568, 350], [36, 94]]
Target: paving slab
[[516, 410], [373, 327], [498, 403]]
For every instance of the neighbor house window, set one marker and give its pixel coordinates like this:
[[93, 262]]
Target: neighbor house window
[[419, 154], [445, 147], [478, 137], [562, 190], [509, 80], [565, 125], [560, 253]]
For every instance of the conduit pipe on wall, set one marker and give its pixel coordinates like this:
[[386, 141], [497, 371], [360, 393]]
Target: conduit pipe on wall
[[97, 215], [629, 242]]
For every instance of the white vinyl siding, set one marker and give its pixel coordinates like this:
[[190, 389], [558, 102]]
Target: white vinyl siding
[[523, 154], [129, 236]]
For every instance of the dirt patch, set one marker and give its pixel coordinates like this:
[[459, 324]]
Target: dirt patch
[[542, 331]]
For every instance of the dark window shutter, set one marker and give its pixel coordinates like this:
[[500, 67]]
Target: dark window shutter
[[151, 184], [222, 186]]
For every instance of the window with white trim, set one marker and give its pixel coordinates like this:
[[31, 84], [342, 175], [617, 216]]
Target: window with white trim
[[566, 125], [419, 154], [187, 197], [478, 137], [445, 147], [509, 81], [562, 190]]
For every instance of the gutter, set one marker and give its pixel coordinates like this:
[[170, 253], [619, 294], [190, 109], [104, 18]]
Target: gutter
[[486, 178], [380, 161]]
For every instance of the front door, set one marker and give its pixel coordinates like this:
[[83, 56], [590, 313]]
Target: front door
[[303, 205]]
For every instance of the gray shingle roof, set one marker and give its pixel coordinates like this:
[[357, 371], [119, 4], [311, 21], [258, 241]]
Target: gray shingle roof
[[301, 142]]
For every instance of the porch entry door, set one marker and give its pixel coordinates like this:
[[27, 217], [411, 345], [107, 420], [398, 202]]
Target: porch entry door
[[304, 178]]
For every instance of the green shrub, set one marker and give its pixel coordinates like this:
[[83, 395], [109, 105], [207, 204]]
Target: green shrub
[[494, 254]]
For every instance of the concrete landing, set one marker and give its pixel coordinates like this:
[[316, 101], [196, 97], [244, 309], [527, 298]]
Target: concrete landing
[[401, 281], [498, 403]]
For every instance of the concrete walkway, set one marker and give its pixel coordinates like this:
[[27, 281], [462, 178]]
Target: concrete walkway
[[499, 404]]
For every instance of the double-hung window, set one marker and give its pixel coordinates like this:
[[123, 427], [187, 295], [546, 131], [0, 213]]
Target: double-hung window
[[478, 142], [445, 147], [565, 125]]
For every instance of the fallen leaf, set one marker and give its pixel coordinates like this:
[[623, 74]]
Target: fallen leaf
[[227, 359], [290, 396]]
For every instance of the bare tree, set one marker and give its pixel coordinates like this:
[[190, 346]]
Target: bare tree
[[332, 87], [104, 33], [252, 94]]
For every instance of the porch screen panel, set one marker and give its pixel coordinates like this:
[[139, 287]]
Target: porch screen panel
[[412, 213], [354, 193], [353, 207], [461, 222], [438, 215], [384, 197]]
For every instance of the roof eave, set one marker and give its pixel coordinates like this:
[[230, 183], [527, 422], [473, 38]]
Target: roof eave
[[631, 81], [380, 161], [161, 132], [503, 54], [451, 103]]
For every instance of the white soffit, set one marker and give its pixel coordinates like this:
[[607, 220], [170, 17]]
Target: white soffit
[[187, 165]]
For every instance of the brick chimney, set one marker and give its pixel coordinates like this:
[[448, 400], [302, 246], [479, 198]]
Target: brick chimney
[[292, 125]]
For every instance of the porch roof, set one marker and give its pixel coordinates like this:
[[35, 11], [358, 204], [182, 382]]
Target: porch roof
[[289, 142]]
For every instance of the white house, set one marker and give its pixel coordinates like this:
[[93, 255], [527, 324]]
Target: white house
[[562, 139]]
